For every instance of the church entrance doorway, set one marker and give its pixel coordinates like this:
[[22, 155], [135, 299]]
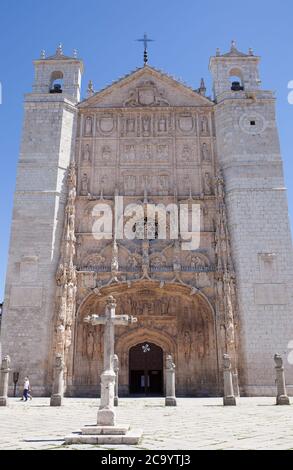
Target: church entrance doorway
[[146, 369]]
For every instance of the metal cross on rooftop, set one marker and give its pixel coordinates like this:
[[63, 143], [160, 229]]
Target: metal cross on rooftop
[[145, 41]]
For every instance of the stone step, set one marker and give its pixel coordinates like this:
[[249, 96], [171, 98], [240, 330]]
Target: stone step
[[108, 430], [131, 438]]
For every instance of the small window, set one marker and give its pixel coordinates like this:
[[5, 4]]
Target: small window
[[252, 123]]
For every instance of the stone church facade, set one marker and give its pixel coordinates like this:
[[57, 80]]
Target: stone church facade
[[150, 138]]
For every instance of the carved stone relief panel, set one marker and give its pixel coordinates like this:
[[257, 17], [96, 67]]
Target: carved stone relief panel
[[186, 123], [86, 153], [146, 93], [106, 124], [205, 151], [106, 152], [188, 182], [156, 184], [143, 152], [88, 126], [204, 126], [104, 181], [186, 151]]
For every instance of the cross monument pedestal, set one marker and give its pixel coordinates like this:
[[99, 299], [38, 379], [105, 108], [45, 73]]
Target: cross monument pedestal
[[106, 431]]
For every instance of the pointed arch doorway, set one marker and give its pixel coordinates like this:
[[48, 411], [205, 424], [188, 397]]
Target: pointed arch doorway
[[146, 369]]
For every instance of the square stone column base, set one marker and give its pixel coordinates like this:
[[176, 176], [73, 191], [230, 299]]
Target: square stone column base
[[3, 401], [170, 401], [105, 435], [283, 400], [229, 401], [56, 400]]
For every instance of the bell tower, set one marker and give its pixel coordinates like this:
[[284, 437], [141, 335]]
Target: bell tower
[[47, 149], [249, 156]]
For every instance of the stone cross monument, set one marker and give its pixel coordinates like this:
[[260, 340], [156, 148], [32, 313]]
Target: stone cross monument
[[229, 398], [106, 414], [282, 397], [170, 399], [4, 377], [106, 431], [116, 370]]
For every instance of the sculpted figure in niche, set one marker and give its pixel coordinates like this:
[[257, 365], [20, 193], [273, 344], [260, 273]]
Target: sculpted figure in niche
[[200, 344], [196, 262], [147, 152], [130, 125], [187, 345], [72, 176], [71, 196], [164, 305], [61, 277], [90, 345], [88, 126], [146, 125], [162, 124], [130, 153], [162, 152], [204, 125], [161, 100], [85, 185], [156, 262], [186, 153], [206, 157], [163, 182], [208, 184], [106, 153], [130, 182], [132, 262], [132, 99], [87, 153]]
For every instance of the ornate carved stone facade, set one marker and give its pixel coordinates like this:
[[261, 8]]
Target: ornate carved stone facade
[[152, 139]]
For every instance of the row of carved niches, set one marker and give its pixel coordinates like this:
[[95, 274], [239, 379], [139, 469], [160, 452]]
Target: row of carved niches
[[141, 152], [145, 124], [159, 182]]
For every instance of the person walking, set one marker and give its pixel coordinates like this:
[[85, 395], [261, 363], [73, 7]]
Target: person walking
[[26, 389]]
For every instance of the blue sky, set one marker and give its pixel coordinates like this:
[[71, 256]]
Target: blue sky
[[187, 33]]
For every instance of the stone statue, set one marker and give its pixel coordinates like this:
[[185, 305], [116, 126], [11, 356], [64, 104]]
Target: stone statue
[[71, 178], [87, 154], [206, 157], [208, 185], [204, 125], [146, 124], [88, 126], [85, 185], [186, 153], [106, 153]]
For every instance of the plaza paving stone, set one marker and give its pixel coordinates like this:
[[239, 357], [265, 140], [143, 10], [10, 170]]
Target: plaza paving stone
[[196, 423]]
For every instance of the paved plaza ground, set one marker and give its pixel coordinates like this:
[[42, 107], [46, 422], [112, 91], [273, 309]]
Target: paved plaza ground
[[256, 423]]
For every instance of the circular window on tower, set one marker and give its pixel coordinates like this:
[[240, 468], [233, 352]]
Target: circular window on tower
[[252, 123]]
